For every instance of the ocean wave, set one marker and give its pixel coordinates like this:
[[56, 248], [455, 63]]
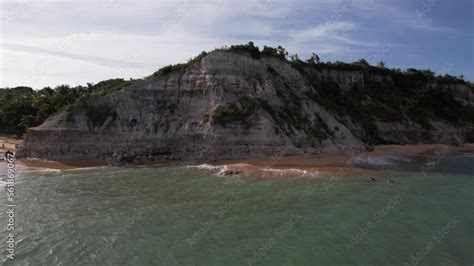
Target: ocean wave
[[21, 168], [384, 160], [209, 167], [291, 171], [38, 170], [87, 168], [222, 170]]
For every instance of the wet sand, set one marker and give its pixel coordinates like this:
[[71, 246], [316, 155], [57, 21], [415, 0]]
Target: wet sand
[[70, 165], [66, 165], [325, 163], [336, 163]]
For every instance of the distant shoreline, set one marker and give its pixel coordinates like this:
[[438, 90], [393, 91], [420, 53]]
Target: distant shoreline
[[325, 163]]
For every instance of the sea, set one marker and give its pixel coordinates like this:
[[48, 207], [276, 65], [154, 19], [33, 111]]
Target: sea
[[406, 211]]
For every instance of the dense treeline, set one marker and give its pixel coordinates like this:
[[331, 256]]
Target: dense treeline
[[362, 64], [23, 107], [409, 97]]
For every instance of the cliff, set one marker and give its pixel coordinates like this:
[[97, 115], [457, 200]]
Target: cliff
[[230, 104]]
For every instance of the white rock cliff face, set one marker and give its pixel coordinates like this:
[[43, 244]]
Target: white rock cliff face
[[172, 117]]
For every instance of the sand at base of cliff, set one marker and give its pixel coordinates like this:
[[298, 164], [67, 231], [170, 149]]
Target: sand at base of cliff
[[70, 165], [326, 163], [336, 163], [66, 165]]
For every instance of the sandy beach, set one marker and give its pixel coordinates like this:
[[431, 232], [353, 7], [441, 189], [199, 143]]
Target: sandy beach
[[70, 165], [66, 165], [326, 163], [336, 163]]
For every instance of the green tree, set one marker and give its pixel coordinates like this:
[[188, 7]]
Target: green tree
[[43, 100], [314, 59], [282, 52], [294, 58], [362, 62]]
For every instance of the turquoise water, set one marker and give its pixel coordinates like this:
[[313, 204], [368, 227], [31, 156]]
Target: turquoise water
[[187, 216]]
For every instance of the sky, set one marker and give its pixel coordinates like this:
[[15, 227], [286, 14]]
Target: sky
[[48, 43]]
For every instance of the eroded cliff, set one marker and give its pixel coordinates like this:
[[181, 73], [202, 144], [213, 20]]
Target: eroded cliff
[[232, 105]]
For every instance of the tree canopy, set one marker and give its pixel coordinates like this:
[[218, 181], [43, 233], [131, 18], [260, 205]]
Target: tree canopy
[[23, 107]]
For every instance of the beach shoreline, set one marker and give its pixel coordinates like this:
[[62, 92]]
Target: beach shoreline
[[340, 163], [325, 163]]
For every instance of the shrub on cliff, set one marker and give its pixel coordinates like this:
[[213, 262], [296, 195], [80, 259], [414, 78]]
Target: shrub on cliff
[[168, 69], [177, 67], [279, 52], [231, 113], [249, 48], [362, 62], [97, 115], [313, 60]]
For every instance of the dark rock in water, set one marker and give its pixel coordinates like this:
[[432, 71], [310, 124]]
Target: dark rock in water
[[229, 105], [229, 172]]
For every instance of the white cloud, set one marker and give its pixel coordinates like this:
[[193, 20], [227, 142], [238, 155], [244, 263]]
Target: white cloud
[[329, 38], [324, 30], [88, 41]]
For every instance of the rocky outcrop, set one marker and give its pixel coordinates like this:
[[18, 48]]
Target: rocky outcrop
[[228, 105]]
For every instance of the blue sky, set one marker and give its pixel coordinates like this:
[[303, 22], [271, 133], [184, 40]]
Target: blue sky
[[46, 43]]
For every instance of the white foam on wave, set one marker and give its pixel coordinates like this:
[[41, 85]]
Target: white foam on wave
[[22, 168], [220, 169], [209, 167], [384, 160], [39, 170], [292, 171], [87, 168]]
